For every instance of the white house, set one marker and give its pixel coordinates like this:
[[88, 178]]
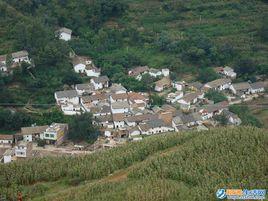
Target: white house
[[83, 89], [162, 84], [257, 87], [190, 99], [71, 109], [118, 97], [120, 107], [100, 82], [138, 72], [155, 72], [6, 140], [241, 89], [154, 127], [3, 67], [8, 155], [118, 89], [165, 72], [219, 84], [229, 72], [178, 85], [68, 96], [32, 133], [21, 56], [55, 133], [22, 150], [83, 64], [64, 34], [135, 131], [118, 120], [232, 118], [209, 111], [174, 97]]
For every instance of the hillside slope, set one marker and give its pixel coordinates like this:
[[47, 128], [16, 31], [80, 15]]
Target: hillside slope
[[180, 166]]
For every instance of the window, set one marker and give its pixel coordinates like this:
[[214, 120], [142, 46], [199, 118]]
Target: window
[[47, 135], [52, 135]]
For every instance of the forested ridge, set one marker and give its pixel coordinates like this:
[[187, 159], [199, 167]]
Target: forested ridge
[[188, 37], [176, 166]]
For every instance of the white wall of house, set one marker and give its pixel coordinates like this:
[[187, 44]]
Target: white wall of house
[[131, 124], [134, 133], [70, 109], [119, 111], [92, 73], [119, 124], [6, 142], [254, 91], [7, 158], [27, 138], [3, 69], [165, 72], [80, 68], [21, 59], [21, 151], [65, 36], [73, 100], [97, 86], [161, 129], [158, 88]]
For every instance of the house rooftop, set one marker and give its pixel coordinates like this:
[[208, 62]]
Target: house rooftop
[[120, 105], [19, 54], [66, 93], [152, 124], [65, 30], [118, 117], [257, 85], [6, 137], [95, 97], [33, 130], [101, 79], [197, 85], [80, 60], [163, 82], [138, 70], [241, 86], [191, 96], [119, 96], [3, 58], [88, 86], [117, 87], [218, 82]]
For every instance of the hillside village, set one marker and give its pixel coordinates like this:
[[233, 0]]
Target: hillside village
[[123, 115]]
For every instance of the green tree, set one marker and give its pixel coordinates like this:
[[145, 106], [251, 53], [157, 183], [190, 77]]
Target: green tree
[[71, 79], [156, 100], [207, 75], [215, 96], [81, 128]]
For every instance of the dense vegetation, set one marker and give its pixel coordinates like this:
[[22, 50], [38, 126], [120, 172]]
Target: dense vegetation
[[215, 96], [245, 115], [178, 166], [186, 36]]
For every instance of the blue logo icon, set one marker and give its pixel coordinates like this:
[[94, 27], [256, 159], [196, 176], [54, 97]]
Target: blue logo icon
[[221, 194]]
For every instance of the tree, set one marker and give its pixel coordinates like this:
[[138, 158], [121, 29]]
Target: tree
[[156, 100], [81, 128], [221, 119], [207, 75], [215, 96], [71, 79]]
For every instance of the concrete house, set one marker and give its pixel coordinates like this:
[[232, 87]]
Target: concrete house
[[257, 87], [178, 85], [85, 65], [241, 89], [20, 56], [162, 84], [138, 72], [6, 140], [55, 133], [209, 111], [229, 72], [190, 99], [23, 149], [64, 34], [68, 96], [119, 97], [32, 133], [154, 127], [174, 97], [118, 89], [155, 72], [100, 82], [120, 107], [118, 120], [84, 89], [219, 84], [232, 118]]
